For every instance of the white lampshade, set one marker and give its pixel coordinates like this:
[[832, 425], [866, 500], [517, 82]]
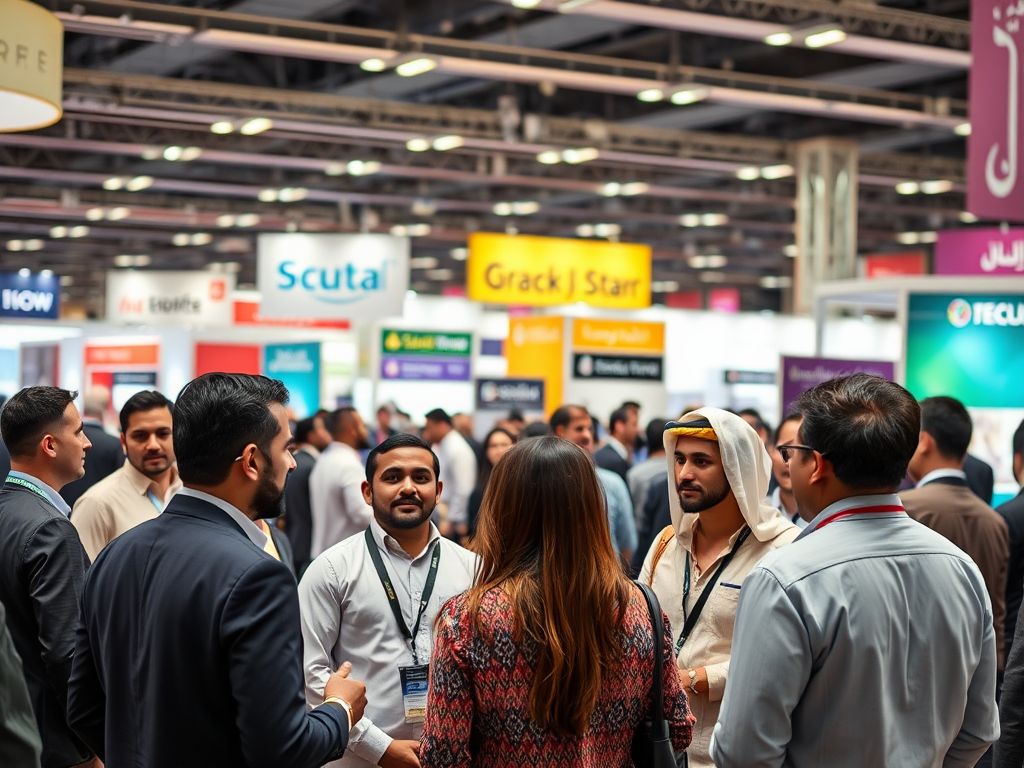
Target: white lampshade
[[31, 72]]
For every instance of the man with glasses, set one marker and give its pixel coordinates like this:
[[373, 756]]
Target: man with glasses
[[868, 641]]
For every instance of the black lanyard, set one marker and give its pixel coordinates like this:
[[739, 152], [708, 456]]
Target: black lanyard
[[691, 620], [389, 590]]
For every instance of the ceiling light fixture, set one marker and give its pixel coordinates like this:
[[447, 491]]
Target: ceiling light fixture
[[772, 172], [664, 286], [267, 195], [651, 95], [577, 156], [908, 238], [139, 183], [58, 232], [611, 189], [791, 251], [80, 231], [964, 129], [525, 4], [634, 188], [418, 145], [247, 220], [292, 194], [750, 173], [502, 209], [362, 167], [414, 67], [908, 188], [690, 95], [459, 254], [46, 273], [222, 127], [689, 220], [256, 125], [423, 262], [226, 220], [550, 157], [334, 169], [25, 272], [776, 281], [936, 187], [410, 230], [201, 238], [444, 143], [180, 239], [967, 217], [116, 214], [714, 219], [114, 183], [184, 154], [607, 230], [15, 245], [525, 207], [94, 214], [820, 38], [373, 65], [779, 38], [439, 274], [585, 230]]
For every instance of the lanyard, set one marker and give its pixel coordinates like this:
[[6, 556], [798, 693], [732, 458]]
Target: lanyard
[[389, 590], [691, 620], [32, 487], [859, 511]]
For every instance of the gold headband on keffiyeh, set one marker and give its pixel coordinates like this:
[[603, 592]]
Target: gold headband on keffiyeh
[[699, 428]]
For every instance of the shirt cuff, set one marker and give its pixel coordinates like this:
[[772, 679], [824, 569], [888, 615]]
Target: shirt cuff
[[717, 674], [368, 741]]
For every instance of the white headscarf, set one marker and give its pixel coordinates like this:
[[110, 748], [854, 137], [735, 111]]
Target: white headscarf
[[747, 468]]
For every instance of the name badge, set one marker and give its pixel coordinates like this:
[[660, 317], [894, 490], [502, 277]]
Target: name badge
[[415, 682]]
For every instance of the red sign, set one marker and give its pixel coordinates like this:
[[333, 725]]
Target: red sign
[[724, 300], [141, 354], [248, 313], [685, 300], [227, 358], [995, 179], [894, 264]]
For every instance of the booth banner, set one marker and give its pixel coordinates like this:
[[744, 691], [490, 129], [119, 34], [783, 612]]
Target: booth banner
[[802, 373], [883, 265], [590, 335], [425, 368], [506, 394], [547, 271], [750, 377], [970, 347], [169, 298], [332, 276], [35, 296], [397, 342], [980, 252], [535, 349], [588, 366], [995, 149], [31, 58], [247, 312], [297, 366]]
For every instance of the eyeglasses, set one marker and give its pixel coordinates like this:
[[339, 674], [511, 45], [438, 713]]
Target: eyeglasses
[[786, 451]]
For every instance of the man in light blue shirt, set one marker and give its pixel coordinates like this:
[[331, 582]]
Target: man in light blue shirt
[[868, 641]]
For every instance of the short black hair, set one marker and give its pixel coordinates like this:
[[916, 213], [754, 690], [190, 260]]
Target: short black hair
[[755, 414], [338, 419], [789, 417], [1018, 439], [439, 414], [565, 414], [31, 414], [401, 440], [305, 427], [216, 416], [147, 400], [619, 416], [867, 426], [949, 424], [516, 415], [535, 429], [655, 435]]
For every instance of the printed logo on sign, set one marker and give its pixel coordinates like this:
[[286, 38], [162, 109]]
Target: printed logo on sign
[[26, 301], [585, 366], [489, 392], [959, 313], [218, 290], [333, 285]]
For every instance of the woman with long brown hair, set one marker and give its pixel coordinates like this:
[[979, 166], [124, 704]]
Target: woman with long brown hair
[[548, 660]]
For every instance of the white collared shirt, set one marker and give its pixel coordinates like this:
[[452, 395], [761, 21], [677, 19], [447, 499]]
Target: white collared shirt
[[346, 617], [256, 536], [936, 474], [336, 505], [458, 474]]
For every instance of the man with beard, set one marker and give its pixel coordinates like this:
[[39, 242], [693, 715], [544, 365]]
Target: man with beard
[[188, 650], [141, 488], [721, 527], [373, 599], [336, 504]]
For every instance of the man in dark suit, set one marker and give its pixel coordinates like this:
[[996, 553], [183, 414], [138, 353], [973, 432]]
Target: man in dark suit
[[311, 437], [20, 746], [944, 502], [106, 455], [1013, 513], [189, 651], [42, 561], [981, 479], [617, 452]]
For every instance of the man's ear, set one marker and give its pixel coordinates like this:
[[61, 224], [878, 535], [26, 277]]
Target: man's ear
[[367, 490], [248, 462], [440, 487], [926, 443], [49, 446], [823, 469]]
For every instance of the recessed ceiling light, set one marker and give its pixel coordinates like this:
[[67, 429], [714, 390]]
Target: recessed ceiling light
[[139, 183], [577, 156], [222, 127], [502, 209], [777, 171], [247, 220], [373, 65], [964, 129], [362, 167], [750, 173], [181, 239], [936, 187], [825, 37], [415, 67], [256, 125], [690, 95], [226, 220], [908, 238], [779, 38], [714, 219], [80, 231], [651, 95], [550, 157], [58, 232], [25, 272], [634, 188], [15, 245], [292, 194], [689, 220], [119, 213], [201, 238], [267, 195], [967, 217], [459, 254], [417, 145], [525, 207], [173, 154], [94, 214], [444, 143], [908, 188], [611, 189], [114, 183]]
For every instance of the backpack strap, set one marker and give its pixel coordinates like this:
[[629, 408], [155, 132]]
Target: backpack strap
[[666, 536]]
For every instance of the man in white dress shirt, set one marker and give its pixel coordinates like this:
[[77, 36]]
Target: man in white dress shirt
[[372, 600], [458, 473], [336, 502]]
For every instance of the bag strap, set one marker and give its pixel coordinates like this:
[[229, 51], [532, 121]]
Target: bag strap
[[666, 536], [659, 724]]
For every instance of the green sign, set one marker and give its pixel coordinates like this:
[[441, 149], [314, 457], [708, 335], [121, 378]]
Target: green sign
[[394, 342]]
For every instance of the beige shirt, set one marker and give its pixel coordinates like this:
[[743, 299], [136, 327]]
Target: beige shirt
[[117, 503]]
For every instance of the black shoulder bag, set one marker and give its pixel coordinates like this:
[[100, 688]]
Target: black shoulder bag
[[652, 747]]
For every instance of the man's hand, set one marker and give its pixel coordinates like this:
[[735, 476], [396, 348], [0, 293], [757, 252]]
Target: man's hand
[[350, 691], [401, 754]]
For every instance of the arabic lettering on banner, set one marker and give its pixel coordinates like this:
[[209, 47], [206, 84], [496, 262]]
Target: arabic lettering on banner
[[980, 252], [995, 187]]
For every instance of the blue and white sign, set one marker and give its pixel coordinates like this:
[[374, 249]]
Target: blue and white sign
[[332, 276], [30, 296], [297, 366]]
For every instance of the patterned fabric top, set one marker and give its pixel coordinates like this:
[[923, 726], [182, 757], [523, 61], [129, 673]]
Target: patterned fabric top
[[478, 706]]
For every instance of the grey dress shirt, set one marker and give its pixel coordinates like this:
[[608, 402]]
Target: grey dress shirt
[[346, 617], [866, 642]]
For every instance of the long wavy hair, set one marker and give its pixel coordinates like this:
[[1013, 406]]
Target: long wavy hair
[[543, 538]]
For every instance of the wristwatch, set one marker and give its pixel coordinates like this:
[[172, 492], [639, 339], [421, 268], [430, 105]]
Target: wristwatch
[[693, 679], [344, 705]]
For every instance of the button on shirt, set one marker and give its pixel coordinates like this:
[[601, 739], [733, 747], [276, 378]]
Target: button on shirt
[[346, 617], [865, 642], [118, 503], [336, 505]]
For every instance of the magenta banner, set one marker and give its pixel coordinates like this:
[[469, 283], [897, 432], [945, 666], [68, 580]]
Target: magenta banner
[[802, 373], [995, 187], [980, 252]]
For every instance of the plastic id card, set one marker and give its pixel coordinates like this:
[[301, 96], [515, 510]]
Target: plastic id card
[[415, 681]]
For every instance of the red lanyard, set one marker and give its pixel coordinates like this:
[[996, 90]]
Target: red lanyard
[[859, 511]]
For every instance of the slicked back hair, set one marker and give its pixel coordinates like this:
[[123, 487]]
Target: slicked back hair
[[867, 426], [216, 416], [31, 414]]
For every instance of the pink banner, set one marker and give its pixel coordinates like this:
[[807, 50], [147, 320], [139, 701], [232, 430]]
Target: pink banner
[[980, 252], [995, 179]]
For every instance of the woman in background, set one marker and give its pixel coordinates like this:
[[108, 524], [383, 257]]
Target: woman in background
[[496, 445], [548, 660]]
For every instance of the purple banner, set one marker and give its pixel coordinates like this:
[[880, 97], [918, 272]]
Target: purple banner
[[424, 369], [802, 373], [995, 182], [980, 252]]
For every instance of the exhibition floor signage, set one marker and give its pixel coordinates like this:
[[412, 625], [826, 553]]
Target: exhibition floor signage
[[425, 355], [802, 373], [34, 296], [980, 252], [548, 271], [593, 366], [506, 394], [332, 276], [970, 347], [297, 366], [535, 350], [617, 349], [169, 298]]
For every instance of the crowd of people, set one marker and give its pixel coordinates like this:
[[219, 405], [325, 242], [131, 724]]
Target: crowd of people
[[230, 587]]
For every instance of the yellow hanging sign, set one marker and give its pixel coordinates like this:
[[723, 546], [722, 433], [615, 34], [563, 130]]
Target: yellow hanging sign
[[548, 271]]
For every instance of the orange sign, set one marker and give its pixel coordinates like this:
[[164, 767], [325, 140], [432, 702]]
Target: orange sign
[[535, 350], [123, 354], [589, 335], [248, 313]]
